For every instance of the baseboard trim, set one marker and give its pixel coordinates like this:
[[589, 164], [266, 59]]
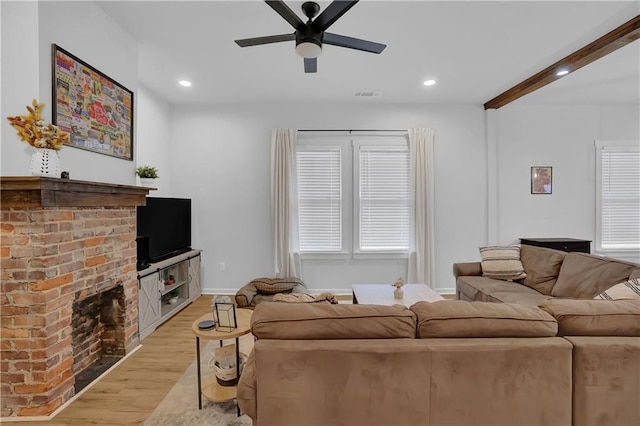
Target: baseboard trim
[[72, 399]]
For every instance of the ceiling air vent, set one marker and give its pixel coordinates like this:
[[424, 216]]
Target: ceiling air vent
[[367, 94]]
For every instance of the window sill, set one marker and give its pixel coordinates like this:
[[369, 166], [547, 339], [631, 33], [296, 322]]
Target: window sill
[[325, 255], [357, 255], [633, 254], [381, 255]]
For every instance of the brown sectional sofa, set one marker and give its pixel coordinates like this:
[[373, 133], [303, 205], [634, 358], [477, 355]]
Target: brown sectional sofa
[[442, 363], [571, 360], [550, 274]]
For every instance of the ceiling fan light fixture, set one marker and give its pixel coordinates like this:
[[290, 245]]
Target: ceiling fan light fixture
[[308, 49]]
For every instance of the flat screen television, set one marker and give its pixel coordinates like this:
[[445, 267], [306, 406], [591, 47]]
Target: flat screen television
[[163, 229]]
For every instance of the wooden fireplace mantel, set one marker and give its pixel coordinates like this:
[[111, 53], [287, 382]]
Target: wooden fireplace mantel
[[34, 191]]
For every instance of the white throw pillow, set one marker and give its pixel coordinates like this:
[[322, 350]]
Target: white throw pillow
[[629, 289], [502, 263]]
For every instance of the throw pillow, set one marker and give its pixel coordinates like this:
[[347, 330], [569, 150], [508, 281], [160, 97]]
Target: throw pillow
[[629, 289], [502, 263]]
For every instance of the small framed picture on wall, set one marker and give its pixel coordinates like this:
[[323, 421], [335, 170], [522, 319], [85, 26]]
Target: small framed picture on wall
[[541, 180]]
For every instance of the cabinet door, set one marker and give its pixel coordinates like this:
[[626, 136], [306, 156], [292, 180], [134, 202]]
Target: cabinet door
[[195, 288], [148, 304]]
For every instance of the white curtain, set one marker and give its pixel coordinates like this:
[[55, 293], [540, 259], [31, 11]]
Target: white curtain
[[283, 151], [422, 258]]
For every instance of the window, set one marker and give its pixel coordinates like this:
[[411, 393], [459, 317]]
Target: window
[[618, 196], [319, 176], [383, 198], [353, 194]]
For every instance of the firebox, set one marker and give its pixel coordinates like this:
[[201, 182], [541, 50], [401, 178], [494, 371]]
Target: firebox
[[97, 325]]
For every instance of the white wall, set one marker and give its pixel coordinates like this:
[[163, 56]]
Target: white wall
[[19, 81], [562, 137], [153, 139], [220, 157], [83, 29]]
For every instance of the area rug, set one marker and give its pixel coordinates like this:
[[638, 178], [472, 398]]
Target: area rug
[[180, 405]]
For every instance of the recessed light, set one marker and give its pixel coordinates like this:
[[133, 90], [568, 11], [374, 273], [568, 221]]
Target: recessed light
[[429, 82], [184, 83], [562, 72]]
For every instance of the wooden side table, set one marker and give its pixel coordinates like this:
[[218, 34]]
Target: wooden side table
[[212, 390]]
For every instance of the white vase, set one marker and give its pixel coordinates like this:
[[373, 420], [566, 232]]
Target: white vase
[[398, 293], [45, 162], [147, 181]]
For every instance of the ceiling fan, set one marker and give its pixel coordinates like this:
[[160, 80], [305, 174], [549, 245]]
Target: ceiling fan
[[310, 36]]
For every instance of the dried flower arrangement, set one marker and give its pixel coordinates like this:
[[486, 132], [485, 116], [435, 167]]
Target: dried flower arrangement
[[32, 129], [398, 283]]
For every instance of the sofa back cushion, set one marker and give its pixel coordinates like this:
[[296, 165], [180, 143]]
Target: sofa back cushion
[[311, 321], [458, 318], [595, 317], [583, 276], [542, 266]]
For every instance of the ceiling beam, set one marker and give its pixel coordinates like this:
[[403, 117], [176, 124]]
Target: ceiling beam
[[614, 40]]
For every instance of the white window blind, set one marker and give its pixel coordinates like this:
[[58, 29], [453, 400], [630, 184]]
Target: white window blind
[[619, 196], [319, 174], [384, 198]]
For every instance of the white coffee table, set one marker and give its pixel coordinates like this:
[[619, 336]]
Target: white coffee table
[[382, 294]]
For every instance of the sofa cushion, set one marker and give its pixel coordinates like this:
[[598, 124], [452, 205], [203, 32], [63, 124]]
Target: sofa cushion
[[629, 289], [521, 298], [275, 285], [542, 266], [485, 289], [583, 276], [325, 321], [457, 318], [595, 317], [502, 263]]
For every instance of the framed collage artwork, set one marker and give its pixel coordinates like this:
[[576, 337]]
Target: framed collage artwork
[[94, 109]]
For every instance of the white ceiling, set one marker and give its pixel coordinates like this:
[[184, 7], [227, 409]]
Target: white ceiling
[[474, 49]]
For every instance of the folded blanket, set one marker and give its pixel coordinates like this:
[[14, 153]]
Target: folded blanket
[[305, 298]]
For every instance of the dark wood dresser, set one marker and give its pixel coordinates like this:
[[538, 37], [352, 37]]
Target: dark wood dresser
[[564, 244]]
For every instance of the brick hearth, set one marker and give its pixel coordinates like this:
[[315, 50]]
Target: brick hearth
[[62, 241]]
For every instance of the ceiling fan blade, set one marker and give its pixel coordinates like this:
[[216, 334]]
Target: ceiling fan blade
[[310, 65], [353, 43], [331, 14], [246, 42], [288, 14]]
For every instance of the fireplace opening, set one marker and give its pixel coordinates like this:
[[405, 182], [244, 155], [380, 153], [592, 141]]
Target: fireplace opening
[[98, 334]]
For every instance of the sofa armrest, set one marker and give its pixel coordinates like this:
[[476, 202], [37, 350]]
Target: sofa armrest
[[467, 268], [245, 295], [247, 388]]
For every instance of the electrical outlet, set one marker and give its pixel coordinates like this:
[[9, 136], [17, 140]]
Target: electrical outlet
[[222, 266]]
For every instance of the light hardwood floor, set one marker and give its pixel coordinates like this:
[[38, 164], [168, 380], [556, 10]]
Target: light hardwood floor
[[130, 393]]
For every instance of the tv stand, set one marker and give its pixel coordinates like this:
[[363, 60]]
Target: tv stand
[[165, 288]]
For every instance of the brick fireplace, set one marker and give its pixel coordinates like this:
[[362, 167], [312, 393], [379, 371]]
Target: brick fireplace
[[66, 246]]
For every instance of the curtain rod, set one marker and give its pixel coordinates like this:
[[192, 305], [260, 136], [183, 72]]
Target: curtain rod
[[352, 130]]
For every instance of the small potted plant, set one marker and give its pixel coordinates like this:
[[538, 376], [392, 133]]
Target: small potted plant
[[172, 296], [147, 174]]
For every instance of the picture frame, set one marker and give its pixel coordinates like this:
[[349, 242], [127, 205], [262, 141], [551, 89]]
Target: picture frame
[[225, 316], [94, 109], [541, 180]]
